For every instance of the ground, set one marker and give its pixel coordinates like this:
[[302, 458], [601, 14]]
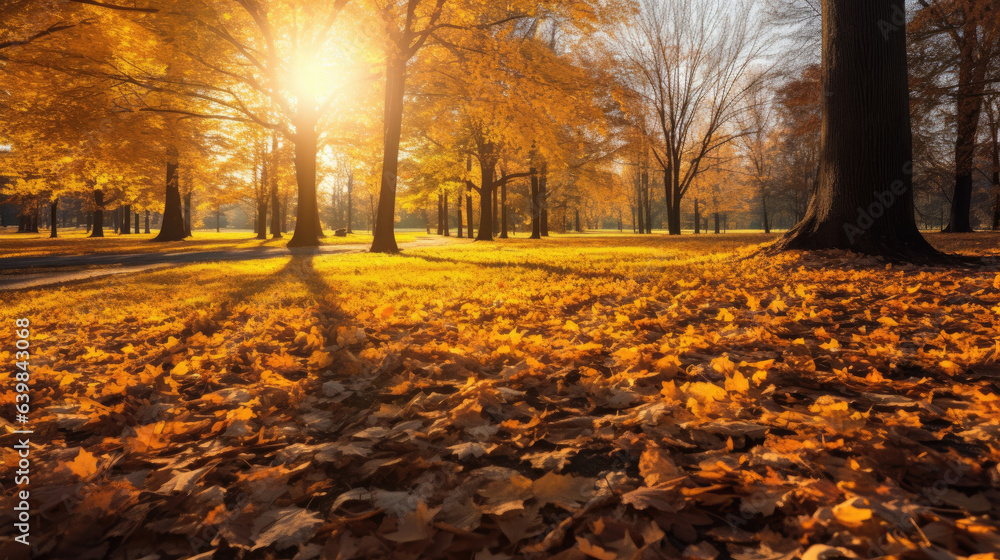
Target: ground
[[75, 242], [592, 396]]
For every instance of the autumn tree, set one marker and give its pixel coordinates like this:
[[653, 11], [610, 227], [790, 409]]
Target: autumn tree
[[864, 200], [971, 29], [693, 63]]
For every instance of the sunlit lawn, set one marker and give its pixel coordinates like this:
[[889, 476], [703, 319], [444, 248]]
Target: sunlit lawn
[[76, 242]]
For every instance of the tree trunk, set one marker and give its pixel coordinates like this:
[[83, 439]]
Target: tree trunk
[[444, 208], [640, 211], [172, 225], [187, 214], [996, 183], [350, 203], [468, 212], [969, 104], [275, 205], [126, 219], [646, 202], [308, 229], [427, 221], [261, 219], [440, 216], [767, 221], [576, 212], [98, 229], [52, 218], [485, 205], [865, 198], [503, 211], [147, 222], [137, 222], [536, 209], [716, 222], [496, 213], [543, 201], [458, 216], [385, 238], [697, 217]]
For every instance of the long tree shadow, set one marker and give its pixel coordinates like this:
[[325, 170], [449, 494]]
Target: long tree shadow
[[534, 265]]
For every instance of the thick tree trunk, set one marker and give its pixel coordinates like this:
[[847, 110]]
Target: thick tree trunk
[[716, 222], [697, 217], [126, 218], [308, 229], [865, 198], [98, 229], [503, 211], [172, 225], [146, 228], [52, 218], [427, 221], [536, 208], [385, 238], [485, 204]]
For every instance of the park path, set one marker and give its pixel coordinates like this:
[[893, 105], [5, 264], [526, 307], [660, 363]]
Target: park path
[[140, 262]]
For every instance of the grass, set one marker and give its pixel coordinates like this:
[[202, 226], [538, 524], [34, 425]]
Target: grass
[[525, 398], [75, 242]]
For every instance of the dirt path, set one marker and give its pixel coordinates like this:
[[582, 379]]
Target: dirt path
[[140, 262]]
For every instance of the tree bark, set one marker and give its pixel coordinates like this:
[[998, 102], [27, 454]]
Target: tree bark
[[485, 203], [308, 229], [496, 214], [468, 212], [126, 219], [440, 216], [172, 226], [864, 202], [969, 104], [536, 209], [52, 218], [98, 228], [503, 211], [458, 216], [273, 176], [385, 238], [444, 208], [543, 200], [187, 214], [697, 217]]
